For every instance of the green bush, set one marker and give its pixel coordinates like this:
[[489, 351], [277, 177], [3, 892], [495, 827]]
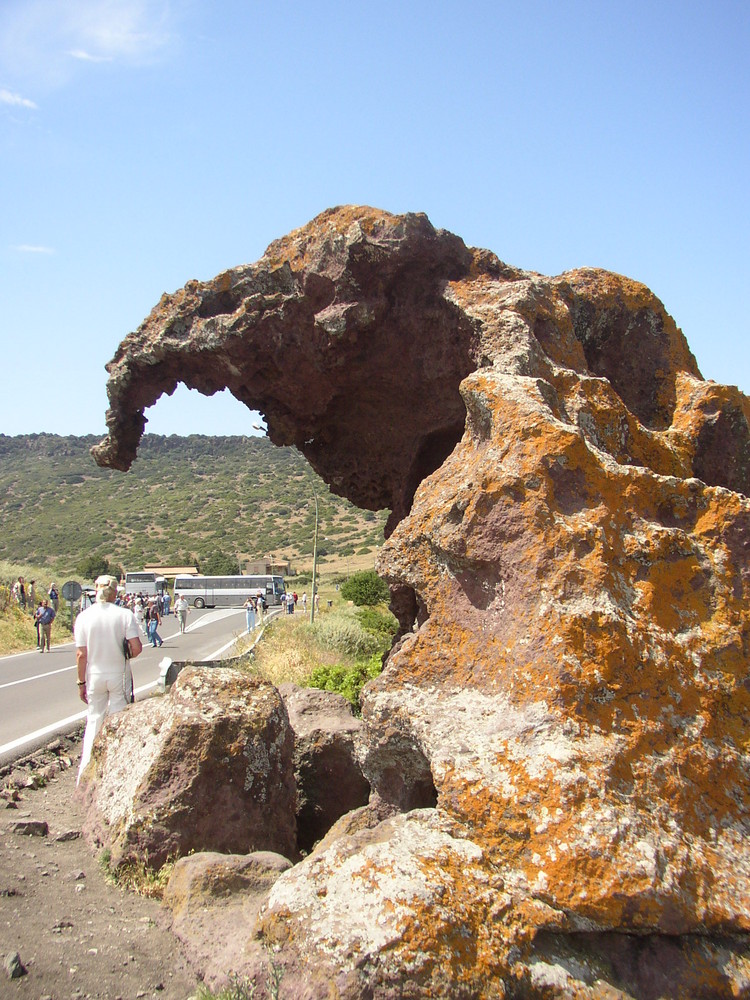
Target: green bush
[[219, 564], [366, 587], [93, 566], [346, 680], [345, 635], [382, 624]]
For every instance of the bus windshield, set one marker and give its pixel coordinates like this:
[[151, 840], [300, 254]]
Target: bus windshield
[[148, 584], [228, 591]]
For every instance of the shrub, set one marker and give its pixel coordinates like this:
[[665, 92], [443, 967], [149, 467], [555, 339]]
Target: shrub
[[92, 566], [346, 680], [366, 587], [219, 564], [381, 624], [344, 635]]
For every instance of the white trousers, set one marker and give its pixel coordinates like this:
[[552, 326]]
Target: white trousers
[[106, 694]]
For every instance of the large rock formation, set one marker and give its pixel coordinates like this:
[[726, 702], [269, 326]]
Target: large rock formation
[[559, 740], [209, 767]]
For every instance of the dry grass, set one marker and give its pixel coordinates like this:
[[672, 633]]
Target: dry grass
[[17, 630], [136, 876], [289, 652]]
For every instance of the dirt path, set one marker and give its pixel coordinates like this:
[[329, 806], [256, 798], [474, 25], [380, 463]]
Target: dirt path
[[76, 934]]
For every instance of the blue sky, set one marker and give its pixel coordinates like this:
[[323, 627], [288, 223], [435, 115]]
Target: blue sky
[[144, 143]]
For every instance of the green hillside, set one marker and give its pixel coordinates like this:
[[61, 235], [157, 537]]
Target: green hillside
[[184, 499]]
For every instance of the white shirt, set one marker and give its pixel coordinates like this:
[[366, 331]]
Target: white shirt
[[102, 629]]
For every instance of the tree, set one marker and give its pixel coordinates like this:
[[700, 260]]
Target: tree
[[93, 566], [219, 564], [366, 587]]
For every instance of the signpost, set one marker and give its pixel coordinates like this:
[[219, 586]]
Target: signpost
[[71, 592]]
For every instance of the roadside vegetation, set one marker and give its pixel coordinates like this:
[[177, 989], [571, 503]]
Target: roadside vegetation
[[17, 629], [136, 876], [340, 651]]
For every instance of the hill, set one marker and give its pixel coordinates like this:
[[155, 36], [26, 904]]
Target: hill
[[184, 499]]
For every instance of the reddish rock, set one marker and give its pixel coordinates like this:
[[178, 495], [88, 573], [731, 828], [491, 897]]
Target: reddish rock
[[207, 767], [214, 901], [327, 742], [563, 723]]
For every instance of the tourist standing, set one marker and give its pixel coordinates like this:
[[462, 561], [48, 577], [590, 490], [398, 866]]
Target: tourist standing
[[44, 627], [100, 632], [54, 597], [138, 611]]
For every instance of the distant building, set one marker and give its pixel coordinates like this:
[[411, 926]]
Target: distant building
[[261, 567], [172, 570]]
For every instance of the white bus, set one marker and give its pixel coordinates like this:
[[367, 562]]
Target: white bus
[[228, 591], [148, 584]]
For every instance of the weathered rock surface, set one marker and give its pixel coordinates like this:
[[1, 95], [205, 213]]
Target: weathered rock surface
[[563, 725], [327, 746], [215, 900], [207, 767]]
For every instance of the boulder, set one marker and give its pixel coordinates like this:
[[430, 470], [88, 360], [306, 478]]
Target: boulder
[[208, 766], [214, 901], [327, 741], [562, 726]]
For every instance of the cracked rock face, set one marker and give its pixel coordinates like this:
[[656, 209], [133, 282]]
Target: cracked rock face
[[560, 735]]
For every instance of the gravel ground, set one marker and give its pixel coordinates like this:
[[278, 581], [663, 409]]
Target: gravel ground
[[76, 934]]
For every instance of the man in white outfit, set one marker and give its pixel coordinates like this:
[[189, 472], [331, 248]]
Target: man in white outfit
[[100, 633]]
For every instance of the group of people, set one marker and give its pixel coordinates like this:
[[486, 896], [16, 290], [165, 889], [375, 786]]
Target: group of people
[[254, 607], [289, 601], [148, 613], [108, 634], [24, 594]]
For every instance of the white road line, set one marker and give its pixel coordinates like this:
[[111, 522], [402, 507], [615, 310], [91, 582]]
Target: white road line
[[56, 726], [52, 728], [37, 677]]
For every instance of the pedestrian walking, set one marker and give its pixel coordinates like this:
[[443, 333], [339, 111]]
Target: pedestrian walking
[[249, 607], [181, 608], [153, 621], [38, 625], [100, 633]]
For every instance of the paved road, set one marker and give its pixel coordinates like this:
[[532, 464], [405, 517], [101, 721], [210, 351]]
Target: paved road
[[38, 693]]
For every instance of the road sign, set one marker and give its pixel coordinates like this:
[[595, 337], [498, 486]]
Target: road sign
[[71, 590]]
